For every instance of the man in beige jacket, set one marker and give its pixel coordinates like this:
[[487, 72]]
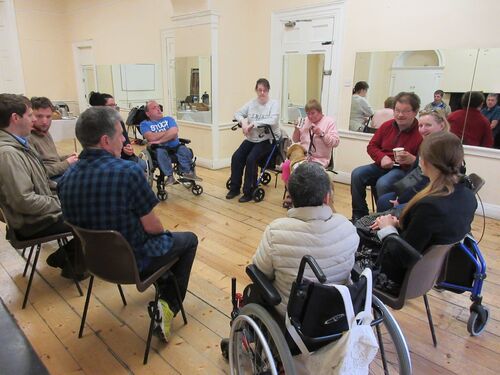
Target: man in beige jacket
[[41, 140]]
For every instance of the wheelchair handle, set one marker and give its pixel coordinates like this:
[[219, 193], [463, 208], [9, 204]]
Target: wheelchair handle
[[318, 272], [235, 126]]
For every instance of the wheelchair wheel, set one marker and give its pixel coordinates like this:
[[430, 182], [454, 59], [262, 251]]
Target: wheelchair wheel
[[197, 189], [259, 194], [393, 356], [146, 156], [477, 320], [162, 195], [266, 178], [257, 345]]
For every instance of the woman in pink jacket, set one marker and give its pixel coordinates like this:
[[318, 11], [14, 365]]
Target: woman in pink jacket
[[317, 134]]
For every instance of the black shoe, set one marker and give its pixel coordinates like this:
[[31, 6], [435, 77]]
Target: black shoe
[[231, 194], [57, 259], [245, 198], [67, 274]]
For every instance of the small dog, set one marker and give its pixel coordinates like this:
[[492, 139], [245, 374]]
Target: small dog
[[297, 155]]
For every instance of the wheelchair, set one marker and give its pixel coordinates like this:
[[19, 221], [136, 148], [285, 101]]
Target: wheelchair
[[153, 172], [267, 164], [259, 344]]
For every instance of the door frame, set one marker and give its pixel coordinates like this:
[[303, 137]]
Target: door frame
[[333, 9], [76, 46]]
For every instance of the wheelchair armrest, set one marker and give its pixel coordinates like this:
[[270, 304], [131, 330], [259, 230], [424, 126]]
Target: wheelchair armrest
[[408, 253], [184, 141], [269, 292]]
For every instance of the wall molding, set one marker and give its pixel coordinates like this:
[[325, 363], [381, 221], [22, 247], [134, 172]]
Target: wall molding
[[213, 164]]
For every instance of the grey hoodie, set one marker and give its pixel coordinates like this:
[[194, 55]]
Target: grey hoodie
[[25, 196]]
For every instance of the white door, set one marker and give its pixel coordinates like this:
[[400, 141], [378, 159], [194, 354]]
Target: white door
[[86, 80], [422, 82], [308, 37], [11, 75]]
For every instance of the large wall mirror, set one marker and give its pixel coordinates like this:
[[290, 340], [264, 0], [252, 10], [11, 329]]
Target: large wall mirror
[[193, 89], [130, 84], [454, 71], [190, 74], [302, 81]]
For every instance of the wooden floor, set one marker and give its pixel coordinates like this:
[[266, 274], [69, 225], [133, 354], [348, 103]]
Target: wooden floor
[[228, 233]]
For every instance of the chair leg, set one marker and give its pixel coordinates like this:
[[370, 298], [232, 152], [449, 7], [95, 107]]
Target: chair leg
[[429, 317], [373, 200], [24, 252], [87, 300], [122, 295], [70, 266], [32, 273], [178, 295], [151, 324], [28, 261]]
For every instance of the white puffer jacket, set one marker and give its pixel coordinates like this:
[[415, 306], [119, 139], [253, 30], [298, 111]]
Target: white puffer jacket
[[330, 238]]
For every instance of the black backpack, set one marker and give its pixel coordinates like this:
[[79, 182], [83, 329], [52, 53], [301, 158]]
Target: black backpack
[[136, 116]]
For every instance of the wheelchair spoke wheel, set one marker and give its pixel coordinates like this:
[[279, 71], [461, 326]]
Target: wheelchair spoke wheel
[[197, 189], [149, 171], [266, 178], [393, 356], [162, 195], [258, 194], [257, 344]]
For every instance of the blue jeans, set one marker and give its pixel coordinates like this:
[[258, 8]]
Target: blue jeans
[[371, 175], [383, 202], [184, 247], [165, 162]]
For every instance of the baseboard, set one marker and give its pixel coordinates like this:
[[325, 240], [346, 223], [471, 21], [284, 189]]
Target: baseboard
[[342, 177], [213, 164], [490, 210]]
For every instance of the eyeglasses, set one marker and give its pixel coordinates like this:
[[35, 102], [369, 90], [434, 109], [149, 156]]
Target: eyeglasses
[[114, 106], [405, 113]]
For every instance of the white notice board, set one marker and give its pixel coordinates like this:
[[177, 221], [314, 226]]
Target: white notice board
[[137, 77]]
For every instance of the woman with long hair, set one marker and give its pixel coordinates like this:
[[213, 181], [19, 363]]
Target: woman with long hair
[[440, 214], [405, 189]]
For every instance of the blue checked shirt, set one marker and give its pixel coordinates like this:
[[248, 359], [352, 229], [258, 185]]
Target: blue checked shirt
[[104, 192]]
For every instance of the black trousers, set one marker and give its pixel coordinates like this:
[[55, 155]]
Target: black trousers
[[245, 158], [184, 247]]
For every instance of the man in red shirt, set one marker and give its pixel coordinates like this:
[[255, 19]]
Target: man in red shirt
[[402, 131], [477, 127]]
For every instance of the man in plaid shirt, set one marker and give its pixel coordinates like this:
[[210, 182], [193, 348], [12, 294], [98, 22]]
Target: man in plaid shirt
[[104, 192]]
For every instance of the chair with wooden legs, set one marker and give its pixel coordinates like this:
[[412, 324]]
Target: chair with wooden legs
[[419, 278], [109, 256], [35, 245]]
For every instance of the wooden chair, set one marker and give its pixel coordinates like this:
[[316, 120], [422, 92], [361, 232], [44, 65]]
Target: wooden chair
[[419, 278], [109, 256], [35, 244]]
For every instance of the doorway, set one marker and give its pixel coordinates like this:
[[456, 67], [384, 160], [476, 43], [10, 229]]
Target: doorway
[[86, 80]]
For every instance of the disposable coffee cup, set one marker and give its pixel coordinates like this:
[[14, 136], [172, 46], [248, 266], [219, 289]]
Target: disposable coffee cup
[[396, 151]]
